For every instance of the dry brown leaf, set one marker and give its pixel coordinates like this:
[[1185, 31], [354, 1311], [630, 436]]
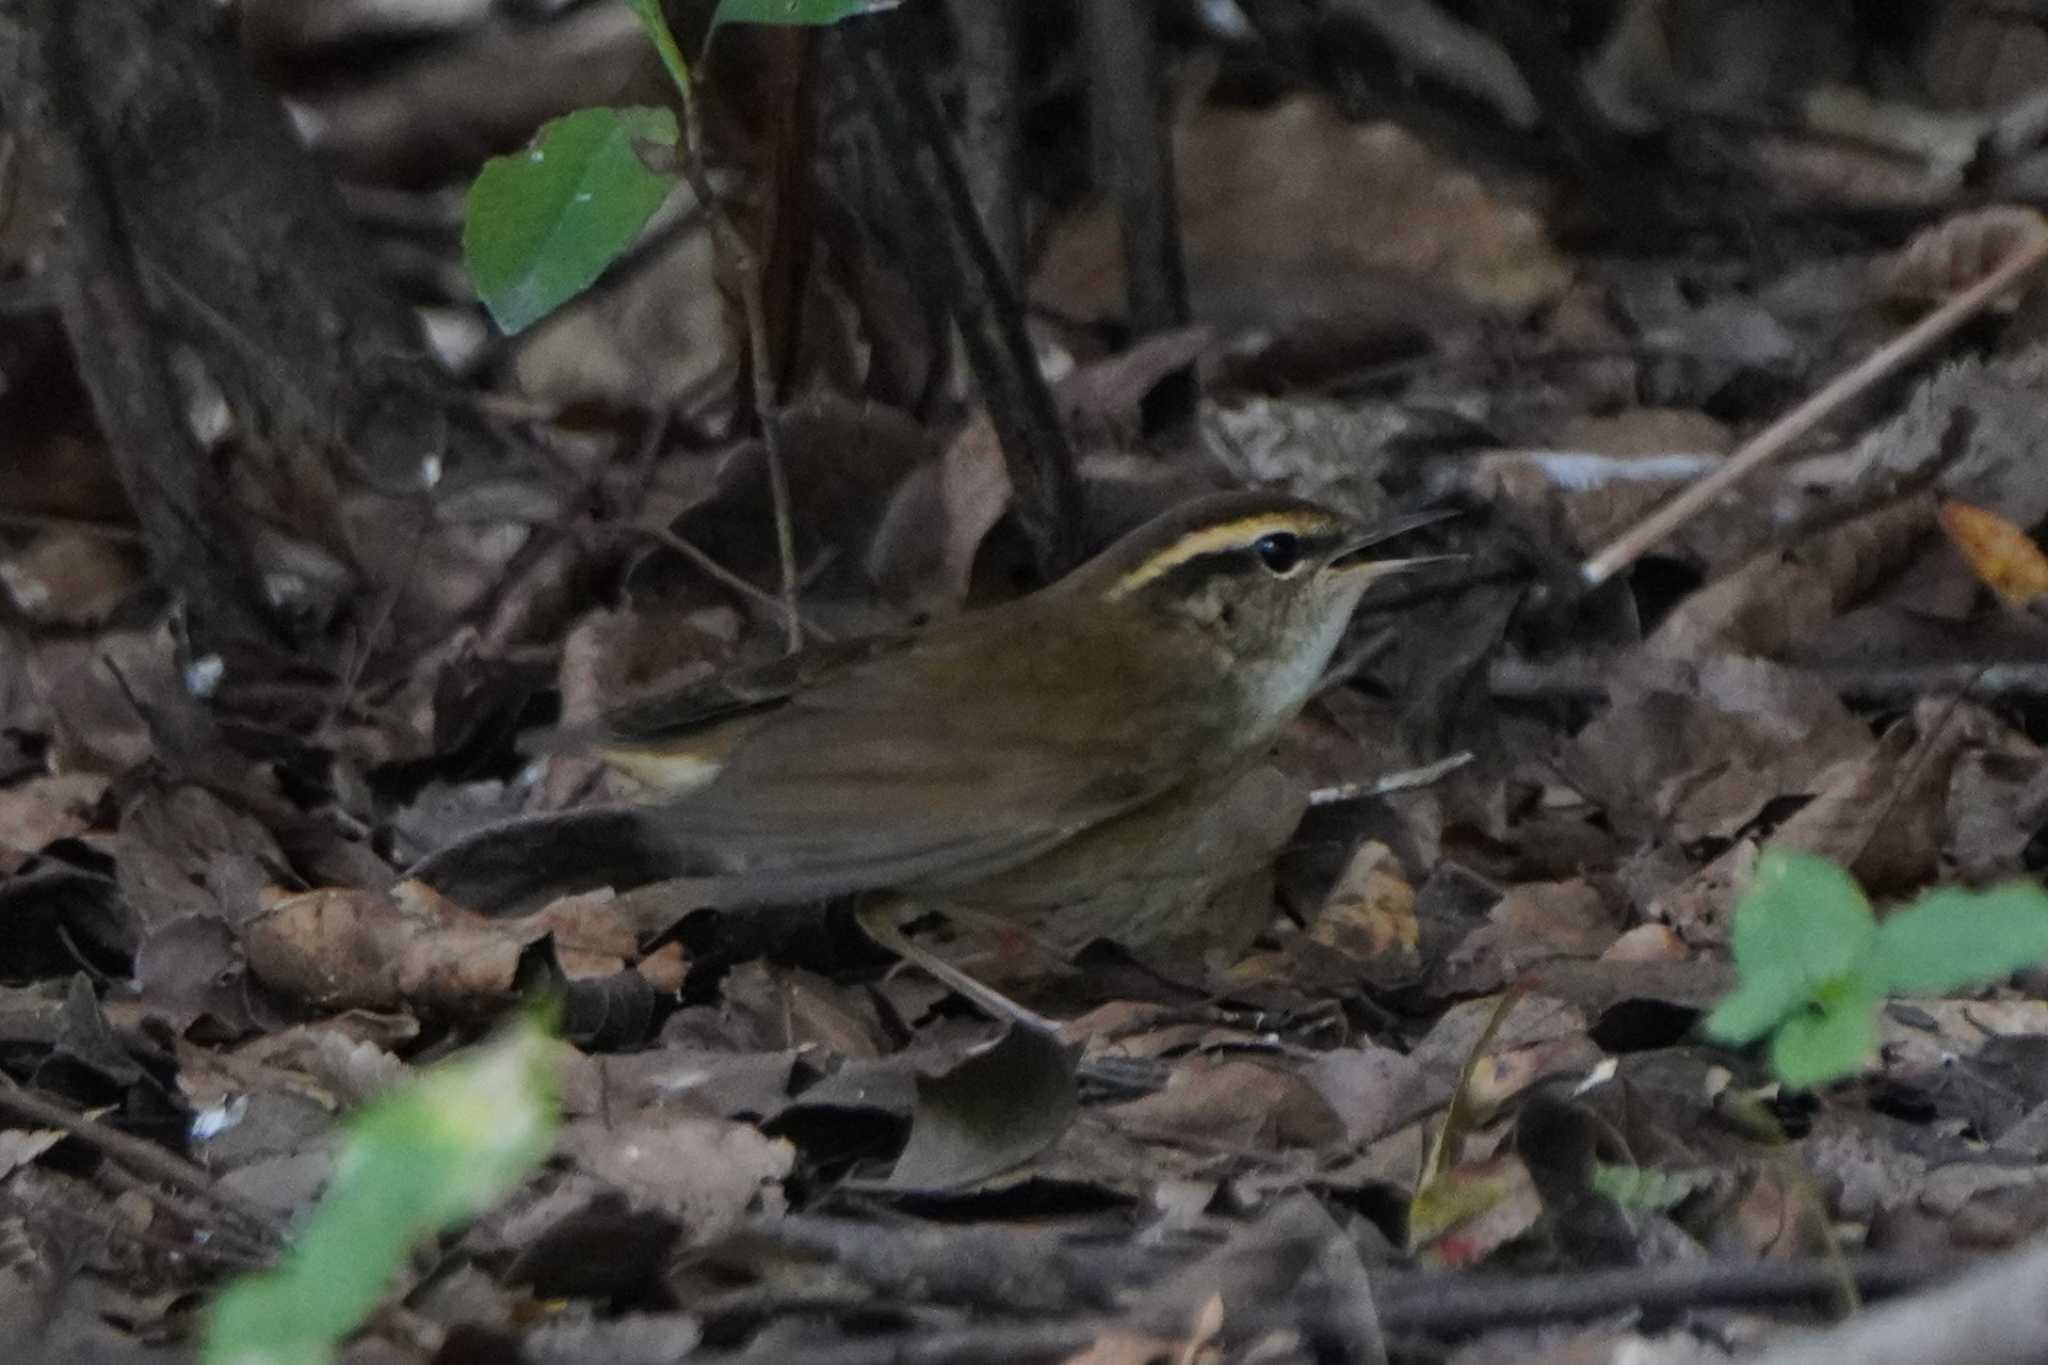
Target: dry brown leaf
[[1701, 750], [341, 947], [47, 808], [334, 947], [706, 1172], [1954, 254], [1647, 943], [591, 938], [1472, 1210], [1930, 1034], [1816, 170], [1361, 218], [1882, 815], [1974, 429], [1980, 56], [665, 967], [2003, 555], [1662, 59], [1119, 1347], [1781, 599], [1371, 909], [69, 578], [1240, 1103]]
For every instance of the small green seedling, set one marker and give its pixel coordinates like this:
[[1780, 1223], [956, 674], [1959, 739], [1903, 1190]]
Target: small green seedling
[[1814, 963], [412, 1164], [541, 224]]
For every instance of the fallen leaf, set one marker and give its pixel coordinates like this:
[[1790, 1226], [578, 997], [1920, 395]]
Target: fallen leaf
[[1363, 211], [44, 809], [705, 1172], [2003, 555], [1371, 909], [1957, 252], [1238, 1103], [1468, 1212], [1001, 1106]]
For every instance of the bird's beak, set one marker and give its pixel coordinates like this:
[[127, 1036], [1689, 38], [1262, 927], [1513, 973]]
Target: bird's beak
[[1355, 558], [1360, 564]]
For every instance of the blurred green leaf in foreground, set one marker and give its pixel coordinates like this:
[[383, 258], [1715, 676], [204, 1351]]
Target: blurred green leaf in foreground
[[413, 1163]]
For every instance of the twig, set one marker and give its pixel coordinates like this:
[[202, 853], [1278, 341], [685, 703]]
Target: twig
[[1133, 155], [146, 1157], [1996, 1315], [77, 526], [1588, 677], [1466, 1302], [1774, 439], [119, 1229], [990, 137], [1462, 57], [746, 266], [878, 923], [1018, 1344], [767, 409], [222, 1240], [1407, 779], [954, 255], [781, 606], [1459, 1304]]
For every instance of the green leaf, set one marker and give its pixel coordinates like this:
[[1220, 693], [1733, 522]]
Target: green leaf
[[1827, 1043], [1639, 1187], [1955, 938], [414, 1163], [1802, 926], [655, 23], [1753, 1010], [542, 224], [787, 13]]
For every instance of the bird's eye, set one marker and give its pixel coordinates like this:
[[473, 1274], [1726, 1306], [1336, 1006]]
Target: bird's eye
[[1279, 551]]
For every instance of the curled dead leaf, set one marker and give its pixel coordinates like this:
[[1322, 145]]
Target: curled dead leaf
[[1957, 252]]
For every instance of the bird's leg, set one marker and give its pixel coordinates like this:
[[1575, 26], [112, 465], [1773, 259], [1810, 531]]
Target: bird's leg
[[878, 921]]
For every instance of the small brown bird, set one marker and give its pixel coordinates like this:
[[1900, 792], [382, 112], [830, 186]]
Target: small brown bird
[[1087, 761]]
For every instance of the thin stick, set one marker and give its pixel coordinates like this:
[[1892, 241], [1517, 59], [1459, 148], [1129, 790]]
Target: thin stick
[[1588, 678], [1386, 784], [746, 264], [115, 1228], [146, 1157], [781, 606], [1879, 365], [101, 530], [877, 923], [224, 1239]]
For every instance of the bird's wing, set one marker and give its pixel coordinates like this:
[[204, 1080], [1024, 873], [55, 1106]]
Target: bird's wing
[[674, 716], [877, 781], [673, 741]]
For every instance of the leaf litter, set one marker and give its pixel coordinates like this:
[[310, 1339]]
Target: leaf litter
[[1463, 1052]]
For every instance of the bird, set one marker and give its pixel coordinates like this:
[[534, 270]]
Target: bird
[[1090, 760]]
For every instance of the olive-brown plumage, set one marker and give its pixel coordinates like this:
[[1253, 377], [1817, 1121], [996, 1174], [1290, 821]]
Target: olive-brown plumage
[[1087, 760]]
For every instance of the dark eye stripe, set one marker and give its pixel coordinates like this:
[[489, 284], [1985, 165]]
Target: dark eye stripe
[[1237, 561], [1224, 545]]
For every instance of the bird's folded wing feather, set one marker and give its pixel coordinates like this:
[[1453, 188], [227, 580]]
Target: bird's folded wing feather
[[823, 802]]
